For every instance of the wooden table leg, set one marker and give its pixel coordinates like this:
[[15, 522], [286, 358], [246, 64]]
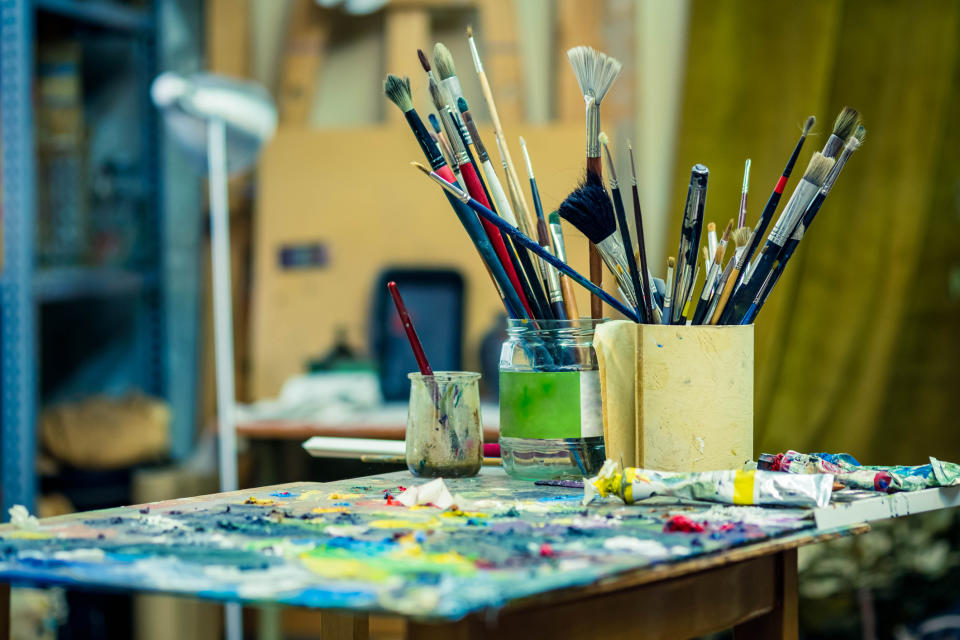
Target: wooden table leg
[[4, 612], [781, 621], [344, 626]]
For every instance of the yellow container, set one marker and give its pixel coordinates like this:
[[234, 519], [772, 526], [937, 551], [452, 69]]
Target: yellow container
[[676, 398]]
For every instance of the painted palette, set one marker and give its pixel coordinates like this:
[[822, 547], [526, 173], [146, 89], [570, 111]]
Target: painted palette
[[352, 545]]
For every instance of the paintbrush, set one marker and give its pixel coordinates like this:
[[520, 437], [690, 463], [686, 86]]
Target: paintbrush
[[523, 210], [742, 219], [806, 189], [418, 353], [634, 284], [770, 208], [445, 146], [689, 296], [730, 274], [690, 237], [443, 60], [474, 185], [522, 265], [569, 298], [590, 210], [711, 247], [648, 294], [668, 295], [843, 128], [853, 143], [595, 73], [518, 235], [551, 283], [703, 305]]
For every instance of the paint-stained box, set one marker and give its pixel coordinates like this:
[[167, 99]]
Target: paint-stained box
[[677, 398]]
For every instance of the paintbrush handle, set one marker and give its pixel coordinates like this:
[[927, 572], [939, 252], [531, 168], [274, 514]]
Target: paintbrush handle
[[595, 165], [429, 147], [747, 291], [418, 353], [628, 249], [642, 248], [475, 189], [518, 236]]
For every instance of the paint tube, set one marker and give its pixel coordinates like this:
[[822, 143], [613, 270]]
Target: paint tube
[[850, 473], [728, 487]]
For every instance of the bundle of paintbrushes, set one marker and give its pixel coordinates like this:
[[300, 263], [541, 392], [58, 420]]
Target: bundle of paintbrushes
[[524, 250]]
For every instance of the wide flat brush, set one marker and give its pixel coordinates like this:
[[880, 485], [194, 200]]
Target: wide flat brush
[[633, 288], [589, 209], [532, 245], [689, 239], [595, 73], [806, 189], [649, 299]]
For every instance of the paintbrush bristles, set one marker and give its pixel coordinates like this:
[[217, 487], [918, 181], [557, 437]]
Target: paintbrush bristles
[[526, 157], [443, 60], [590, 210], [604, 139], [860, 133], [595, 71], [818, 169], [844, 124], [808, 125], [398, 91], [423, 60], [741, 236]]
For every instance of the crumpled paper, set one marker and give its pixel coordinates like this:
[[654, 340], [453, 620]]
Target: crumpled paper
[[21, 518], [434, 493]]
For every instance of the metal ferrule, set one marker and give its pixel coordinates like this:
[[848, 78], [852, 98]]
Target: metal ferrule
[[796, 205], [553, 280], [450, 188], [593, 127], [556, 233], [453, 136], [614, 256], [852, 145], [833, 146]]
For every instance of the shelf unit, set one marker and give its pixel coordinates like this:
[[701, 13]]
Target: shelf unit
[[28, 290]]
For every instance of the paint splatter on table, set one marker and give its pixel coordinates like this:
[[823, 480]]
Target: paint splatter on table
[[351, 545]]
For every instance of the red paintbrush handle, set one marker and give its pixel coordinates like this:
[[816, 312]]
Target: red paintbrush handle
[[411, 333], [475, 188], [446, 173]]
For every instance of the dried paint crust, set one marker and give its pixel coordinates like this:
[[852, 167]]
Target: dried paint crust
[[352, 545]]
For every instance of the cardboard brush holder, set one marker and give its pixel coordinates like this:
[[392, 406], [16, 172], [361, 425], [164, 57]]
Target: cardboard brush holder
[[676, 398]]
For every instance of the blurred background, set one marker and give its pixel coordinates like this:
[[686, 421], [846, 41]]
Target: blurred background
[[106, 331]]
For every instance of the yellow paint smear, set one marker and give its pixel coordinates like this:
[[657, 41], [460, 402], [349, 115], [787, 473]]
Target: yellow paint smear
[[309, 493], [262, 502], [342, 568], [329, 510], [28, 535], [345, 496], [432, 523], [463, 514]]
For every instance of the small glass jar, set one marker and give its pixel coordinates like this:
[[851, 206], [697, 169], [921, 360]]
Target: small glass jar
[[551, 416], [444, 428]]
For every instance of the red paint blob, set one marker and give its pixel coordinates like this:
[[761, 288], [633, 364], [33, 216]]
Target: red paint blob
[[547, 551], [682, 524]]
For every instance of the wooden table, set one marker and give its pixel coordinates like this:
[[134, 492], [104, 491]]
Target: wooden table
[[713, 584]]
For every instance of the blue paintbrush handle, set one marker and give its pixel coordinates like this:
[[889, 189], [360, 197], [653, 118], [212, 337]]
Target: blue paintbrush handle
[[471, 224], [548, 257]]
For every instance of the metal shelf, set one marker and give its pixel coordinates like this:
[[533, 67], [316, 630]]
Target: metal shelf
[[99, 13], [59, 284]]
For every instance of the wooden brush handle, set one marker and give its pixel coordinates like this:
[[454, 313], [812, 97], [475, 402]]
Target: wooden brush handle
[[595, 165], [569, 299]]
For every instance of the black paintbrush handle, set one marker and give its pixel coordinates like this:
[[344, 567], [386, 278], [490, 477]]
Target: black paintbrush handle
[[429, 147], [475, 230], [628, 248], [743, 297], [648, 293], [520, 237], [530, 286]]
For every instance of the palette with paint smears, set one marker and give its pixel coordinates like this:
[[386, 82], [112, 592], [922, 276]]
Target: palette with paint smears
[[353, 545]]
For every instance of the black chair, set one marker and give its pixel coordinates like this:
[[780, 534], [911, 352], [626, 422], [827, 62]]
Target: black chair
[[435, 300]]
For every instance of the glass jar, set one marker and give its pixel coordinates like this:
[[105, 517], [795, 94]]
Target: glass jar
[[444, 429], [551, 417]]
